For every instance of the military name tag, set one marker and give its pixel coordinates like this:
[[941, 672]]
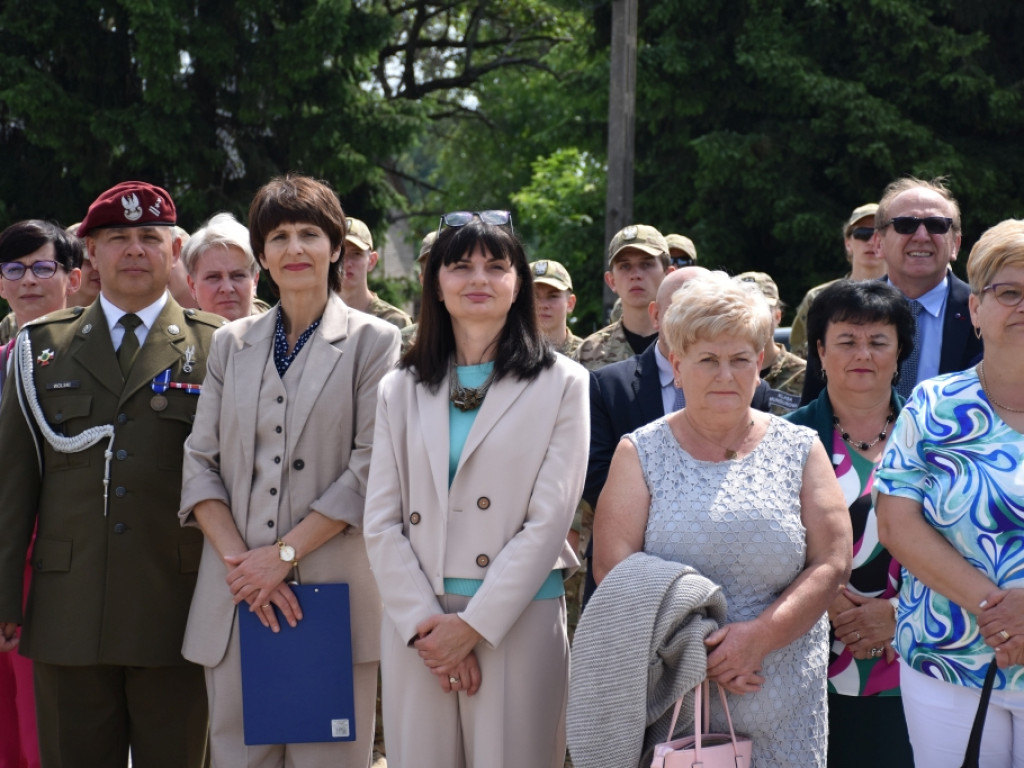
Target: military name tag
[[65, 384]]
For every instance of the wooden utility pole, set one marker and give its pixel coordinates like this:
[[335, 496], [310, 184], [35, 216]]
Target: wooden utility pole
[[618, 211]]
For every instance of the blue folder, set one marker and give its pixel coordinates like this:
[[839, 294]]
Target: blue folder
[[297, 683]]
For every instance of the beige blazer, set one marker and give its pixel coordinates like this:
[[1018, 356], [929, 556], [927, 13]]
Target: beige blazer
[[328, 446], [505, 518]]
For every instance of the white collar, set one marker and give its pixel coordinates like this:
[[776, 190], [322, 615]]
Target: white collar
[[147, 315]]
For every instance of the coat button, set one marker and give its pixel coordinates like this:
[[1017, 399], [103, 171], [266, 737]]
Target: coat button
[[120, 527], [414, 518], [277, 459], [280, 399], [270, 523], [122, 418], [483, 561], [58, 417], [278, 430], [298, 464], [120, 491], [273, 491], [122, 455], [483, 502]]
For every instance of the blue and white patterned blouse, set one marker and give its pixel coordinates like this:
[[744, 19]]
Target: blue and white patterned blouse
[[952, 453]]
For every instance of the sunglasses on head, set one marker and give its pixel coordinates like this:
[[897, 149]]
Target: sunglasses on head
[[907, 225], [462, 218], [862, 233], [15, 270]]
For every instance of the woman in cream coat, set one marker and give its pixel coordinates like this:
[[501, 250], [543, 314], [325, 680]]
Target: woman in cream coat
[[473, 485], [276, 465]]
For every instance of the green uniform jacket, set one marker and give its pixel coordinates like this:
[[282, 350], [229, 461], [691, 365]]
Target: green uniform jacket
[[603, 347], [108, 588]]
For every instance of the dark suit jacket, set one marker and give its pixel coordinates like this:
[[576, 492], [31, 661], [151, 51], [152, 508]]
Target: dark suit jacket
[[960, 347], [111, 582]]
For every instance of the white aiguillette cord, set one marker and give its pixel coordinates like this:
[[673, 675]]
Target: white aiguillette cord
[[30, 407]]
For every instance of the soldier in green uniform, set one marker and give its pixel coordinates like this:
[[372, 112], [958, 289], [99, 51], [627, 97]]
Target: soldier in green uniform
[[554, 299], [638, 261], [783, 370], [357, 262], [92, 424]]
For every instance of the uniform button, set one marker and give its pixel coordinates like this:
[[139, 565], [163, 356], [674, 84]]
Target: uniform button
[[273, 491], [270, 523], [122, 455], [280, 399], [298, 464], [58, 417], [483, 502], [483, 561], [278, 430], [277, 459], [414, 518], [122, 418], [120, 527], [120, 491]]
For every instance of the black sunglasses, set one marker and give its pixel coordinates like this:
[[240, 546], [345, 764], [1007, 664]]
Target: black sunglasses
[[15, 270], [862, 233], [462, 218], [907, 225]]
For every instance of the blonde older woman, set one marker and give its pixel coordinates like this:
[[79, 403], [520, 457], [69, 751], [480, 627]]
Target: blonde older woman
[[950, 509], [751, 502], [222, 272]]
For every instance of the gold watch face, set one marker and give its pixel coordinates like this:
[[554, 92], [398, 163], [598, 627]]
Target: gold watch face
[[287, 552]]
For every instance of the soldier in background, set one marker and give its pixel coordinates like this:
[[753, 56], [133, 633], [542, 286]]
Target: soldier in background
[[91, 445], [554, 299], [357, 261], [638, 261], [681, 251]]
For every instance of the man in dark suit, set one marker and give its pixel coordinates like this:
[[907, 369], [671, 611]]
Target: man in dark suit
[[626, 395], [917, 231], [92, 425]]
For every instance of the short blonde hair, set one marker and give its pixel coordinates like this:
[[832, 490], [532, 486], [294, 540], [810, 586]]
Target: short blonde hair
[[713, 305], [1000, 246], [222, 230]]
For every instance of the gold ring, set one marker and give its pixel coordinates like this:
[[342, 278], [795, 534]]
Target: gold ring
[[1004, 635], [453, 680]]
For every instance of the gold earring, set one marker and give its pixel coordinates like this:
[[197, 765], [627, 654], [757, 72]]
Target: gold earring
[[977, 331]]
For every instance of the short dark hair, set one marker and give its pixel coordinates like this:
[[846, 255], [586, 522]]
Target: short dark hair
[[522, 351], [292, 199], [25, 237], [859, 302]]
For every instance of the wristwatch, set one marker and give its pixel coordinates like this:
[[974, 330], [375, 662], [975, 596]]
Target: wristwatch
[[287, 553]]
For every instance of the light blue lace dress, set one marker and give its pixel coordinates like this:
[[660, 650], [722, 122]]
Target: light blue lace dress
[[738, 522]]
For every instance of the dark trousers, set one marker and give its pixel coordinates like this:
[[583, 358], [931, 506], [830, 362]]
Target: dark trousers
[[867, 731], [89, 717]]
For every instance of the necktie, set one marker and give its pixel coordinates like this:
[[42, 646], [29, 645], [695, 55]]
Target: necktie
[[129, 348], [908, 369], [679, 401]]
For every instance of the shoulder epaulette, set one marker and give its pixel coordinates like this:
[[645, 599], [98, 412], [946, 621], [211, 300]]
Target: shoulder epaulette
[[60, 316], [206, 318]]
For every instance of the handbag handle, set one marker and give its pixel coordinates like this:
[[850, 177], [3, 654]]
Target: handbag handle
[[702, 695], [973, 752]]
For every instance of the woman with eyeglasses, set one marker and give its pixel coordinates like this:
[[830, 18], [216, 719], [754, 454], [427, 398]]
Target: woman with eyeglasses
[[951, 510], [39, 268], [478, 461]]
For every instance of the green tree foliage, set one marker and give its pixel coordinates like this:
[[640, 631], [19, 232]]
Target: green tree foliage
[[762, 124], [209, 99]]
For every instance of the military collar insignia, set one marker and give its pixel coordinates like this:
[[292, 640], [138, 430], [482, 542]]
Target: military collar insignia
[[173, 329], [45, 357], [190, 358], [87, 328]]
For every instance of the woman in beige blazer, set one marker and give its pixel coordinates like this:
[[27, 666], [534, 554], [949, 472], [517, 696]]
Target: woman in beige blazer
[[479, 455], [275, 468]]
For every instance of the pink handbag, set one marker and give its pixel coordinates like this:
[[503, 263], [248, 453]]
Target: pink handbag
[[709, 750]]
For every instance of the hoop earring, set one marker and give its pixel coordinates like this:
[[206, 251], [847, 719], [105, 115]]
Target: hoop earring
[[977, 331]]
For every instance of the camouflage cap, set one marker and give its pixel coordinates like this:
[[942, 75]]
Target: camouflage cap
[[860, 212], [640, 237], [551, 273], [426, 245], [358, 234], [682, 243], [764, 283]]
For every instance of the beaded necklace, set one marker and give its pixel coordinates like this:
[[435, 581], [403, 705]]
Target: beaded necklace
[[862, 446]]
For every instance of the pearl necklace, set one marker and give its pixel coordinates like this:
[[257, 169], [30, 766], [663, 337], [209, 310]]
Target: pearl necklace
[[862, 446], [984, 388]]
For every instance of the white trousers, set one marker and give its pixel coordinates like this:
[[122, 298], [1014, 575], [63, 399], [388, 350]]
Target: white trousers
[[940, 716]]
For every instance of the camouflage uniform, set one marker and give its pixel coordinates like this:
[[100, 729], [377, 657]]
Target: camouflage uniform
[[798, 331], [8, 328], [392, 314], [408, 336], [608, 345], [786, 374], [570, 345]]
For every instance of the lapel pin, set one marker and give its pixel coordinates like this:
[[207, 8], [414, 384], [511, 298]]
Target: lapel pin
[[173, 329], [45, 357], [87, 328]]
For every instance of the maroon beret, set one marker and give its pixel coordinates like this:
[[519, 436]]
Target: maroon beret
[[130, 204]]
